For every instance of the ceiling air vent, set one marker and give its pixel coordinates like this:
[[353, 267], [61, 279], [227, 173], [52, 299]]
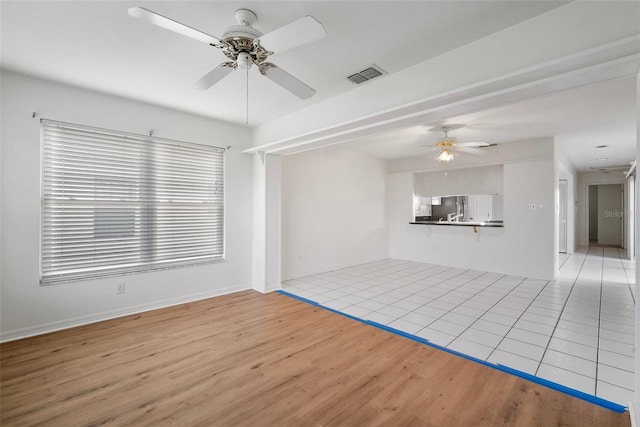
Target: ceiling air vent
[[365, 75]]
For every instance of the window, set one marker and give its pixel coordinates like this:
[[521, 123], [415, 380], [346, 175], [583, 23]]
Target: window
[[116, 203]]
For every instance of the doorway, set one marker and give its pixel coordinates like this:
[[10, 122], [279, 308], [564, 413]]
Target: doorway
[[606, 215], [562, 216]]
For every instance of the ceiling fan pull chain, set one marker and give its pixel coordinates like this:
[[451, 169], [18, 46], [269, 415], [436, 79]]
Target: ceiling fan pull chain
[[247, 121]]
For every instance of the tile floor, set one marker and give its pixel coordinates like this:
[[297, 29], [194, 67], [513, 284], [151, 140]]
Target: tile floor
[[577, 331]]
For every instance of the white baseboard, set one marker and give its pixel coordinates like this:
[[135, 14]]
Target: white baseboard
[[30, 331], [633, 414]]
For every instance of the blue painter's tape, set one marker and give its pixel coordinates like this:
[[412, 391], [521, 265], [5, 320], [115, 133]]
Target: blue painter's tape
[[568, 390], [541, 381], [308, 301], [398, 332]]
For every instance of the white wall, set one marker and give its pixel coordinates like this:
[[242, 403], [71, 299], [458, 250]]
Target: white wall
[[333, 211], [479, 180], [582, 208], [635, 405], [266, 222], [524, 247], [568, 172], [28, 308]]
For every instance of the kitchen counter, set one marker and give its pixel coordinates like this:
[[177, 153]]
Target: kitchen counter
[[462, 223]]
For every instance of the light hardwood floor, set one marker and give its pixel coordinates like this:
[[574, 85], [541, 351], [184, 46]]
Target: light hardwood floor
[[249, 359]]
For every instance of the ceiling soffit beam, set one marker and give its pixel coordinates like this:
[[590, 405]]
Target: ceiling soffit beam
[[609, 61]]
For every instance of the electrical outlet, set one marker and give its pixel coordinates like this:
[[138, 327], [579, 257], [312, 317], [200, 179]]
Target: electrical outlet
[[121, 288]]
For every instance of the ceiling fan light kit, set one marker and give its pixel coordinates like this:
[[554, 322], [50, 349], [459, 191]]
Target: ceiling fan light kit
[[245, 46], [448, 145], [445, 156]]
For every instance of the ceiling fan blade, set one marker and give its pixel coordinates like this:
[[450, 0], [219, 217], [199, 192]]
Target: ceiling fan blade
[[286, 80], [215, 75], [170, 24], [474, 144], [471, 150], [294, 34]]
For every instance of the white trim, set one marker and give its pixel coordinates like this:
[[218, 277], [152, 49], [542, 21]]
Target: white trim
[[631, 170], [16, 334], [609, 61], [635, 421]]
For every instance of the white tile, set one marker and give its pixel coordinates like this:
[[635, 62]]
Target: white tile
[[367, 294], [406, 305], [538, 318], [335, 294], [404, 326], [491, 327], [379, 318], [323, 299], [392, 311], [513, 361], [430, 311], [617, 336], [613, 393], [627, 320], [577, 337], [468, 311], [570, 363], [506, 311], [384, 299], [447, 327], [351, 299], [616, 360], [470, 348], [529, 337], [481, 337], [355, 311], [370, 305], [437, 337], [615, 376], [574, 349], [335, 304], [538, 328], [578, 327], [447, 306], [499, 318], [458, 319], [567, 378], [418, 319], [592, 321], [521, 348]]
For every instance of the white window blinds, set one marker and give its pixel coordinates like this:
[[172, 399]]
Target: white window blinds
[[117, 203]]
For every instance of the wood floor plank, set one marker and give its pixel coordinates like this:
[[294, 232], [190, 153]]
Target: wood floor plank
[[249, 359]]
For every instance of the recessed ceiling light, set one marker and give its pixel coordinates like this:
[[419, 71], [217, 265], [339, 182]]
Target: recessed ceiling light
[[601, 146]]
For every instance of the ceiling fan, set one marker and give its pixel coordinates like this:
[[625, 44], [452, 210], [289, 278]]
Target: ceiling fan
[[448, 146], [246, 46]]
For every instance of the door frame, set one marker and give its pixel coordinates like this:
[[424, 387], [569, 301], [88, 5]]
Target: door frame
[[625, 201]]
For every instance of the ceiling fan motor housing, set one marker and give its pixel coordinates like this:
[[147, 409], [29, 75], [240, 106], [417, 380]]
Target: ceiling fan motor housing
[[241, 38]]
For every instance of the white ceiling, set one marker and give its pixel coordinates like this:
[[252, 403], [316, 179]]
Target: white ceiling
[[579, 119], [96, 44]]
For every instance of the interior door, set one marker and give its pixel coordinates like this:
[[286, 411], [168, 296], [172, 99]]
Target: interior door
[[610, 215], [562, 216]]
